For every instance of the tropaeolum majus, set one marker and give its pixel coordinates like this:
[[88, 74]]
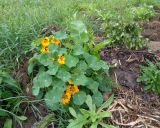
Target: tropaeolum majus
[[67, 70]]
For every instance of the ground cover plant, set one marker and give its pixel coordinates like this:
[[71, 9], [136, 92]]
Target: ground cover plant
[[68, 70], [92, 116], [150, 76], [125, 30], [77, 47]]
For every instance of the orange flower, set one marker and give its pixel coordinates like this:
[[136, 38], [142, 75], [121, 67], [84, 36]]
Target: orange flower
[[70, 90], [44, 50], [61, 59], [74, 89], [66, 98], [55, 41], [45, 42], [70, 82]]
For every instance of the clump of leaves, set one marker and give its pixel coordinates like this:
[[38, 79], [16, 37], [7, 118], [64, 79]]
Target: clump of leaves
[[150, 76], [92, 117], [69, 68], [124, 34], [10, 99], [142, 13], [125, 30]]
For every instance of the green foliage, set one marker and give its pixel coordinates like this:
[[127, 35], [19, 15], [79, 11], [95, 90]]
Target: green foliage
[[10, 98], [124, 30], [150, 76], [142, 13], [81, 66], [45, 121], [124, 34], [8, 123], [92, 117], [23, 26]]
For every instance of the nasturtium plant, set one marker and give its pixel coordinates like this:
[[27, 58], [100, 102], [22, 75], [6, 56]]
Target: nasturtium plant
[[67, 68]]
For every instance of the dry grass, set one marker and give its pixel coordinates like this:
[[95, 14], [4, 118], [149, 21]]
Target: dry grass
[[133, 110]]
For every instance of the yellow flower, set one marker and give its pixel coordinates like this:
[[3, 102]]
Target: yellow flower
[[44, 50], [70, 82], [61, 59], [68, 89], [55, 41], [74, 89], [66, 98], [45, 42], [52, 59]]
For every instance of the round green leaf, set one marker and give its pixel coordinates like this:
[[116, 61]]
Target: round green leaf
[[93, 86], [62, 51], [80, 79], [78, 50], [44, 59], [78, 26], [71, 61], [63, 75], [97, 98], [35, 90], [60, 35], [79, 98], [95, 66], [105, 83], [103, 65], [53, 68], [44, 80], [53, 47], [90, 59], [53, 96], [81, 66]]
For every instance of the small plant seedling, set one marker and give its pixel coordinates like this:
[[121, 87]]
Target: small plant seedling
[[150, 76], [92, 117]]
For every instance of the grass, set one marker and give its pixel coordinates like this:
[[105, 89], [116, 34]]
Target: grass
[[21, 21]]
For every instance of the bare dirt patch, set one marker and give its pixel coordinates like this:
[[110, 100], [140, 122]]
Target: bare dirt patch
[[132, 106], [127, 64], [152, 28]]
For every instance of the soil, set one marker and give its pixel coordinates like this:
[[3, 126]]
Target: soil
[[21, 74], [152, 28], [49, 30], [127, 64], [132, 107]]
